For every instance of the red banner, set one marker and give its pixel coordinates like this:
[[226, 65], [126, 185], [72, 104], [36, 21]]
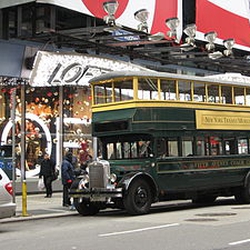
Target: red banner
[[229, 18]]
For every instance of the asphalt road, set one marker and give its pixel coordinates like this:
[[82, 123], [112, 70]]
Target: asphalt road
[[169, 226]]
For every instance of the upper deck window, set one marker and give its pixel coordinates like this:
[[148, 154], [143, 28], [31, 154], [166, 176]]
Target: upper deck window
[[239, 96], [199, 92], [147, 89], [185, 91], [123, 90], [103, 93], [248, 96], [213, 93], [168, 89], [226, 93]]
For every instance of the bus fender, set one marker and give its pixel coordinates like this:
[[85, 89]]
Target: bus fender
[[133, 176], [247, 179]]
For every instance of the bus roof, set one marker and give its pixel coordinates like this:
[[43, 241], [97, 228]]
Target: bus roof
[[228, 78]]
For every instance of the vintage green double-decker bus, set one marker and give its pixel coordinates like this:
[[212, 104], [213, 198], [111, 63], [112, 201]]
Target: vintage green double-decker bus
[[166, 136]]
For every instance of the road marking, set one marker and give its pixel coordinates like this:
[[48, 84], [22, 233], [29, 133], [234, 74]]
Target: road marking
[[139, 230], [239, 242]]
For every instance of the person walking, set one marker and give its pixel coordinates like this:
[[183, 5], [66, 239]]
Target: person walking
[[67, 178], [47, 171]]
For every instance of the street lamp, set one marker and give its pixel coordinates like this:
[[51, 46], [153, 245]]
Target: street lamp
[[110, 8], [228, 43], [142, 16], [210, 37], [190, 31], [172, 24]]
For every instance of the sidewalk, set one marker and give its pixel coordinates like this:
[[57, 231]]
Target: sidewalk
[[39, 207]]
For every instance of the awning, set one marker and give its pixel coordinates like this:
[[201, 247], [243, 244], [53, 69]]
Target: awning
[[117, 115]]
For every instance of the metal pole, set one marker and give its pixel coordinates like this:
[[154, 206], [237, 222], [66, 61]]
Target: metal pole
[[60, 130], [13, 118], [23, 151]]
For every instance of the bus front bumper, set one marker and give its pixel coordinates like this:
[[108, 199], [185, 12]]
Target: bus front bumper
[[97, 194]]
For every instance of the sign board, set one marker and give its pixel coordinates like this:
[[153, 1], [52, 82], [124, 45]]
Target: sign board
[[124, 36], [60, 69]]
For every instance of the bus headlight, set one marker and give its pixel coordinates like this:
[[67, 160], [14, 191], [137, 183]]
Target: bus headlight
[[112, 178], [83, 182]]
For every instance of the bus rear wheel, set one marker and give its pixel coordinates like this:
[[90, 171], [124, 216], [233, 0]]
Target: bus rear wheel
[[85, 207], [139, 198], [243, 196]]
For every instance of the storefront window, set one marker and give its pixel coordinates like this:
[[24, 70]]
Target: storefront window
[[42, 123]]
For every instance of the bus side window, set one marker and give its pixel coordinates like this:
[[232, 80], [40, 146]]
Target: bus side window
[[230, 146], [187, 146], [215, 145], [173, 147], [143, 147], [110, 151], [200, 146], [242, 146], [161, 148]]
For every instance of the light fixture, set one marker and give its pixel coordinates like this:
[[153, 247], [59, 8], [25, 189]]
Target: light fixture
[[172, 24], [142, 16], [210, 37], [228, 43], [110, 8], [190, 31], [215, 55], [156, 37]]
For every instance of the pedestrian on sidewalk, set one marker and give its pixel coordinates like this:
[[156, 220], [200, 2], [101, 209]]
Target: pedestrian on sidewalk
[[47, 171], [67, 178]]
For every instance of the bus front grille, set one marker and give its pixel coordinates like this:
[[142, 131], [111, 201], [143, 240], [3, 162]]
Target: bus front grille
[[98, 174]]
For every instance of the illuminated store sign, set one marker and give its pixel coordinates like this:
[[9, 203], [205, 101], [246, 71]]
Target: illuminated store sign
[[59, 69]]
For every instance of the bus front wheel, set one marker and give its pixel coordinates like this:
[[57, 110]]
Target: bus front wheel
[[139, 198], [84, 207]]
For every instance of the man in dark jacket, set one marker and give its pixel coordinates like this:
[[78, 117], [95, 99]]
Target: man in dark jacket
[[47, 171], [67, 178]]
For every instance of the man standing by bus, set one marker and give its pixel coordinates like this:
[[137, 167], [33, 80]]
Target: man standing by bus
[[67, 178], [47, 172]]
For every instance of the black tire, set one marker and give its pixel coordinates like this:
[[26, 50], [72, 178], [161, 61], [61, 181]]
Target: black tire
[[243, 196], [84, 207], [204, 199], [138, 198]]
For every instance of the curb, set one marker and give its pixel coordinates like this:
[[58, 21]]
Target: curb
[[20, 218]]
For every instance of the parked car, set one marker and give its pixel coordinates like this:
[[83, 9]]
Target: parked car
[[7, 207]]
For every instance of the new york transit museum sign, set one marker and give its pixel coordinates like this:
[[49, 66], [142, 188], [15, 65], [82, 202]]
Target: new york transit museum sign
[[206, 119]]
